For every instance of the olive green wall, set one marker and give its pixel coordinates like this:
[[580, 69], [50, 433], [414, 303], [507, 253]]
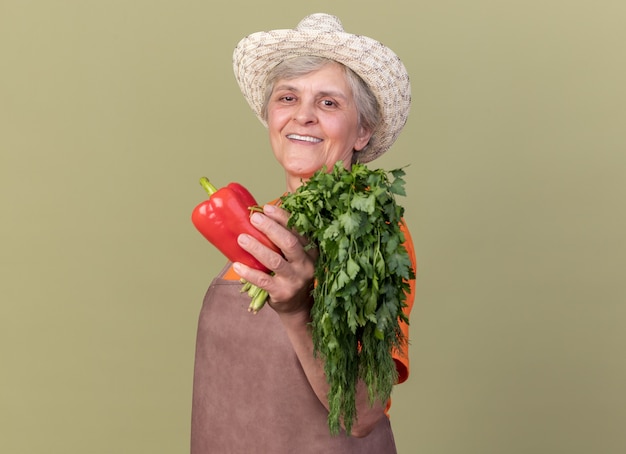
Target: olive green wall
[[111, 110]]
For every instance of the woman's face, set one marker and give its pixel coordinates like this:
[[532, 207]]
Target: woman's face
[[313, 122]]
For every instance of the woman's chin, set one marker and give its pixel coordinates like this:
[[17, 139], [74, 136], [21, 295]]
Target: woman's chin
[[298, 169]]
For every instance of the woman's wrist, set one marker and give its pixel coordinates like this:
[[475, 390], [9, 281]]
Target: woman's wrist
[[298, 314]]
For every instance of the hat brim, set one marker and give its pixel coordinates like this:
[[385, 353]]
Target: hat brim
[[376, 64]]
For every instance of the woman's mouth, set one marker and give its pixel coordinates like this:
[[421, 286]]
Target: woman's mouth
[[304, 138]]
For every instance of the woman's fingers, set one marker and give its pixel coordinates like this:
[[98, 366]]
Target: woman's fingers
[[262, 253], [282, 217], [288, 242], [276, 213], [292, 272]]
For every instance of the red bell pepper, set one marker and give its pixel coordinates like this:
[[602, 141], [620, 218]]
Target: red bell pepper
[[226, 215]]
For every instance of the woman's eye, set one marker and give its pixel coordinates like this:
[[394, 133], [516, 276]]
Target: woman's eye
[[287, 98], [328, 103]]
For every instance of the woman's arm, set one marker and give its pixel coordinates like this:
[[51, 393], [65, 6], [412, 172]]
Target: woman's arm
[[289, 291], [296, 325]]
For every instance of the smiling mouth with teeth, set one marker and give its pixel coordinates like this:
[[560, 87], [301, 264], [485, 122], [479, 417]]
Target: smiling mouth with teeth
[[304, 138]]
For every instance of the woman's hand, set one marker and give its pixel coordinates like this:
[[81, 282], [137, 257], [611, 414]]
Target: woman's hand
[[290, 285]]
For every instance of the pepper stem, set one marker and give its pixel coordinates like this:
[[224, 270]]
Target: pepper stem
[[208, 187], [255, 208]]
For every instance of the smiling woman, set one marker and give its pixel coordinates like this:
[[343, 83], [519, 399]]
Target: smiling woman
[[325, 96]]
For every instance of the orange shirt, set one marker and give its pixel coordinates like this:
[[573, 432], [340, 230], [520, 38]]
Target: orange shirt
[[402, 357]]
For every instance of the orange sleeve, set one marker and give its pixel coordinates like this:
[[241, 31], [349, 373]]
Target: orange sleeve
[[401, 357], [230, 275]]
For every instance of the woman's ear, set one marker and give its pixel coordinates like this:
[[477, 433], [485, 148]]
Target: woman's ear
[[362, 139]]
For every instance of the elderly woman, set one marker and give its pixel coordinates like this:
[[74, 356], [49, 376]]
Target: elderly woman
[[325, 96]]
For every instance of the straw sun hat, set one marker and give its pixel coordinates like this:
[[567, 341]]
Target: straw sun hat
[[323, 35]]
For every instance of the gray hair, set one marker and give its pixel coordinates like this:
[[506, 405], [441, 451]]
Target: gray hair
[[366, 103]]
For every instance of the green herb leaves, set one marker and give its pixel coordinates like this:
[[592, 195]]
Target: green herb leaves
[[362, 276]]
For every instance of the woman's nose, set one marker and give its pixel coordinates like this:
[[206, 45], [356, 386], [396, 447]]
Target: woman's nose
[[305, 114]]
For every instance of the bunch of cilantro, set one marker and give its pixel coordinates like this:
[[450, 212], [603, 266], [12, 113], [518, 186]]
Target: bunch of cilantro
[[362, 279]]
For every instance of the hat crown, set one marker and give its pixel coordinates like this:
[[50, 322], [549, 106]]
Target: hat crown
[[320, 23]]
